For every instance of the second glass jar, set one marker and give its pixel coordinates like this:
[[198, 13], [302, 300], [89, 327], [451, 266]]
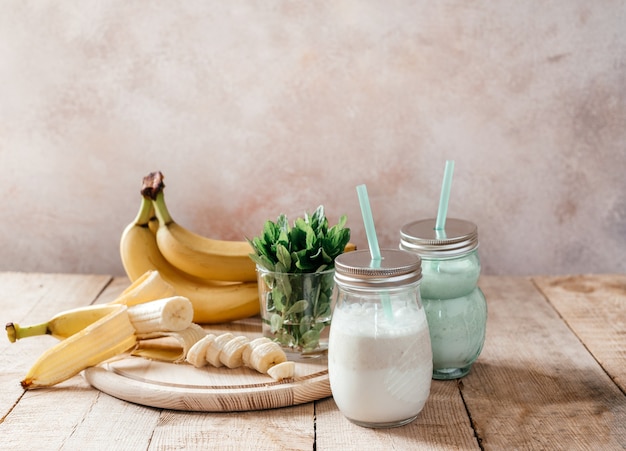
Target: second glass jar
[[455, 306]]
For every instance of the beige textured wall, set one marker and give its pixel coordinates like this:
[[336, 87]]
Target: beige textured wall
[[255, 108]]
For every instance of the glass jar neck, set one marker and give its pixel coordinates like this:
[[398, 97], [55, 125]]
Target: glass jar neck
[[443, 256], [361, 289]]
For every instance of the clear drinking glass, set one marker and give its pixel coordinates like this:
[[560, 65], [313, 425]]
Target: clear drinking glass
[[296, 310]]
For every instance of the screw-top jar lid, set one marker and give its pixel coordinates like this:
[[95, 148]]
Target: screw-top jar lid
[[459, 237], [396, 268]]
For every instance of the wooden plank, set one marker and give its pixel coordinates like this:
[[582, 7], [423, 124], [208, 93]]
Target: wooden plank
[[276, 429], [535, 386], [71, 411], [113, 290], [72, 416], [442, 425], [112, 424], [594, 307], [33, 298], [290, 428]]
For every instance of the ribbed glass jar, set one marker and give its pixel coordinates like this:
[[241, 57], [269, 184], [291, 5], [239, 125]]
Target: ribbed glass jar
[[379, 353], [455, 306]]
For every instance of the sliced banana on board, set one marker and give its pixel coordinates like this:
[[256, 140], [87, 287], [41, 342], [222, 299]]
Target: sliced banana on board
[[197, 353], [247, 352], [213, 352], [283, 370], [267, 355], [232, 352], [227, 350]]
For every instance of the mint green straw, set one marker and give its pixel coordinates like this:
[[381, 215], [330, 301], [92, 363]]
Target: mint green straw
[[445, 196], [372, 240], [368, 220]]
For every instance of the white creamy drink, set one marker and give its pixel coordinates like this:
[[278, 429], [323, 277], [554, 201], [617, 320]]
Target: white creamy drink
[[380, 367]]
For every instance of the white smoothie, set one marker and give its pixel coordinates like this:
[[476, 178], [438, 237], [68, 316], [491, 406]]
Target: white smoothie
[[380, 368]]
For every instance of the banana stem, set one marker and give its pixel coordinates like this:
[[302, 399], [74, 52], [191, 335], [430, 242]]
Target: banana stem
[[152, 188], [146, 211], [161, 209], [15, 332]]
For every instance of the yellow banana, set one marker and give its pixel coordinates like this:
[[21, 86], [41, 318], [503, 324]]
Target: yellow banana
[[63, 324], [213, 301], [195, 254], [147, 287], [106, 338]]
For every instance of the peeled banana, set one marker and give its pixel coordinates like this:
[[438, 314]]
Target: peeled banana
[[213, 301], [147, 288], [170, 315], [107, 337], [61, 325]]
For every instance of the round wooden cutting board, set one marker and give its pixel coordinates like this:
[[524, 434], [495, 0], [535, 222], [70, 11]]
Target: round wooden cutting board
[[208, 389]]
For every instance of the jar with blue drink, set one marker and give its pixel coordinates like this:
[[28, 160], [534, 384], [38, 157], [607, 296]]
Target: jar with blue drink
[[455, 306]]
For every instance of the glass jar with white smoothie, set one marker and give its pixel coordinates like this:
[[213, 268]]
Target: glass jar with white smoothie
[[455, 306], [379, 352]]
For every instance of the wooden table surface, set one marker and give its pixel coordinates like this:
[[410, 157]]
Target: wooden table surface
[[552, 376]]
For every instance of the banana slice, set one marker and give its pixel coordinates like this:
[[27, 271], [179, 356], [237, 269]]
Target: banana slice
[[247, 352], [163, 315], [232, 352], [267, 355], [213, 352], [284, 370], [197, 353]]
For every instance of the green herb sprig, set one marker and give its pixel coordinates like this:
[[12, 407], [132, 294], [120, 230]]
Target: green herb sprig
[[299, 306]]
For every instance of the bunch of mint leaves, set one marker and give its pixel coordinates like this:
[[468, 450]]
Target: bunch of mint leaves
[[298, 303]]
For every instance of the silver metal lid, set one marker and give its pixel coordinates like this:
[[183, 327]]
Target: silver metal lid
[[396, 268], [458, 238]]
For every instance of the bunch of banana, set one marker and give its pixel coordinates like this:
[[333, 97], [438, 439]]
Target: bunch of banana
[[147, 287], [261, 354], [218, 277], [200, 256]]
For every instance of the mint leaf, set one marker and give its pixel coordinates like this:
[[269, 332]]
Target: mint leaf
[[300, 311]]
